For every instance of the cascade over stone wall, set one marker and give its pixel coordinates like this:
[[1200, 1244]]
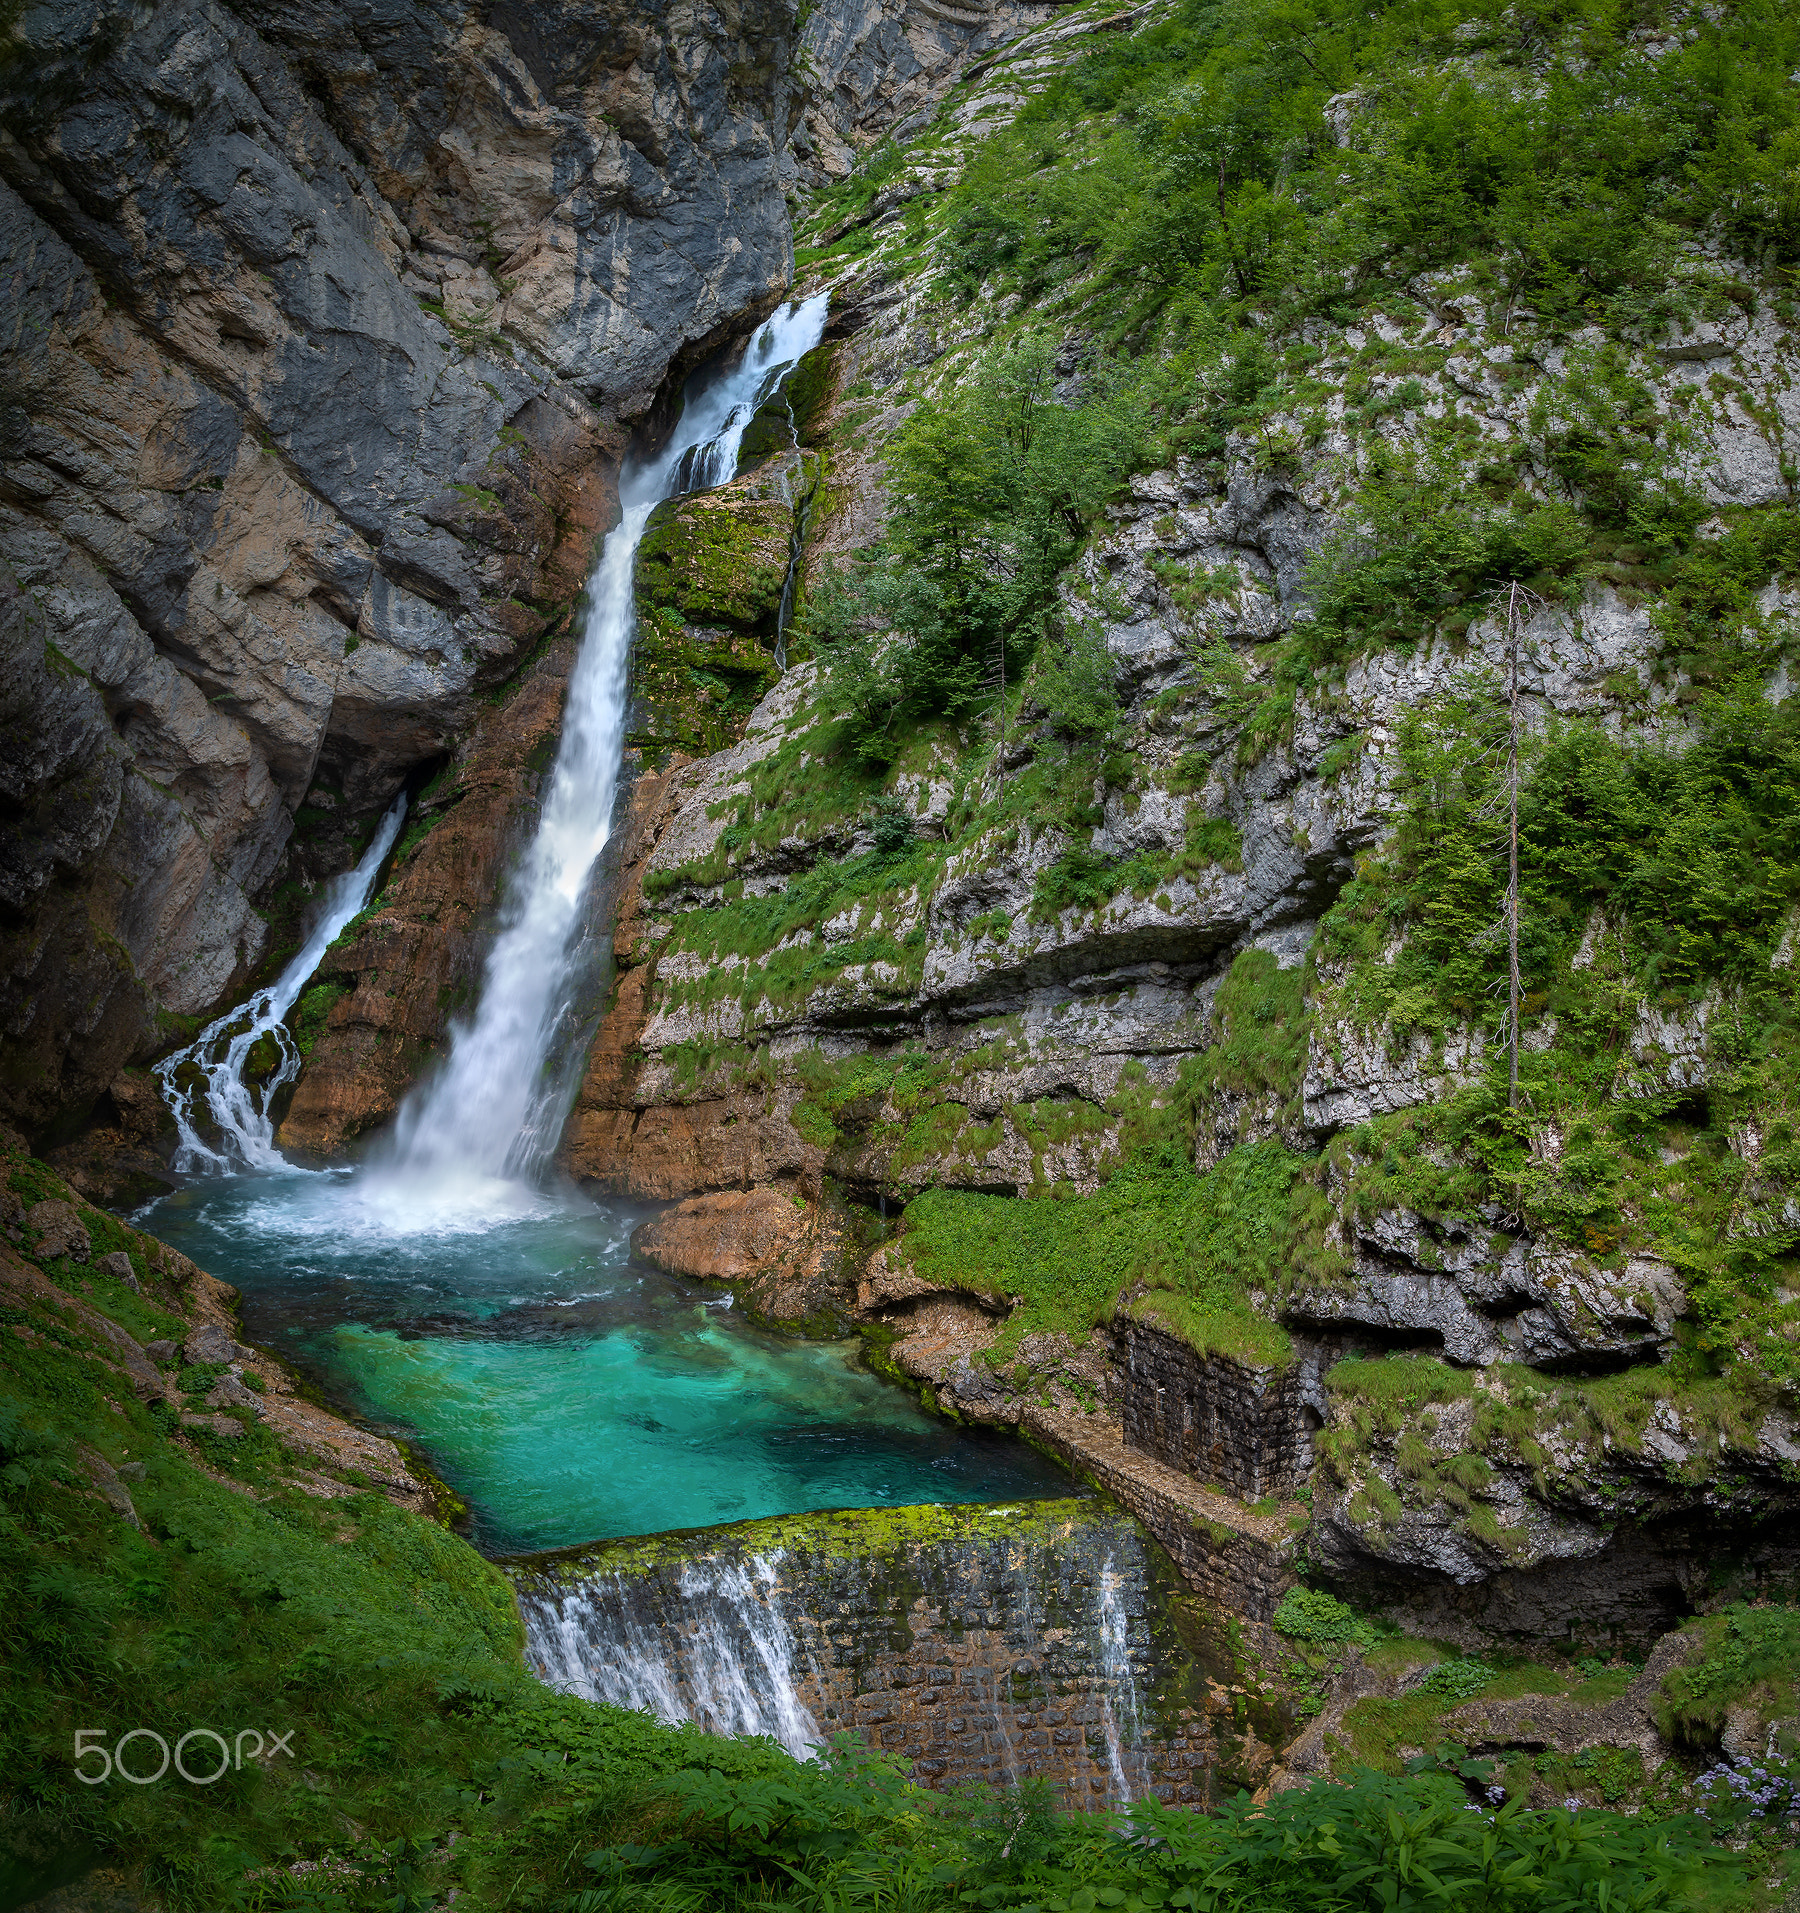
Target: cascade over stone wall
[[978, 1644]]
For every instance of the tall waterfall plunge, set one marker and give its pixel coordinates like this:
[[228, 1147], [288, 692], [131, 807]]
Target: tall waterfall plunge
[[491, 1116]]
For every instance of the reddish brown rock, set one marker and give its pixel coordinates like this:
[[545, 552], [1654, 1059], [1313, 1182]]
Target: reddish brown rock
[[669, 1150], [416, 961], [783, 1256]]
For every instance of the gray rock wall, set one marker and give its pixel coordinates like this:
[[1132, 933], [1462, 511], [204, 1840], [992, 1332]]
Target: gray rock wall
[[1237, 1428], [320, 330]]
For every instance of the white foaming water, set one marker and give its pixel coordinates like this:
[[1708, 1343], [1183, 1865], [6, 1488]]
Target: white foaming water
[[466, 1141], [1118, 1693], [729, 1664], [236, 1109]]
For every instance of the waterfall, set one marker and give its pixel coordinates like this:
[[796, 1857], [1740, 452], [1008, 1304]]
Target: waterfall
[[728, 1663], [1118, 1689], [492, 1114], [207, 1082]]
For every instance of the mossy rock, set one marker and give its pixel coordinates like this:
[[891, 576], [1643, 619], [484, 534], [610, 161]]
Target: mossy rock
[[717, 558], [793, 415]]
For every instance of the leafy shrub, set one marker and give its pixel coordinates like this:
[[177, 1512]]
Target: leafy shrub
[[1744, 1649], [1312, 1615], [1457, 1680], [992, 488]]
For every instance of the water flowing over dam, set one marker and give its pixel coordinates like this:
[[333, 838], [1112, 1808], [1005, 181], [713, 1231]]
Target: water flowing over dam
[[979, 1644]]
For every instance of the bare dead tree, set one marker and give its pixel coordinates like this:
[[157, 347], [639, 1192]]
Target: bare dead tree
[[996, 682], [1522, 604], [1512, 846]]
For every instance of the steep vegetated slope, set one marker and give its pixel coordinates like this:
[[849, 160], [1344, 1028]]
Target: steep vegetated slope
[[1254, 431], [1115, 882]]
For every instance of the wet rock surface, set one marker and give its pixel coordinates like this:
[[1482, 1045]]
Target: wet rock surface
[[784, 1258], [319, 339]]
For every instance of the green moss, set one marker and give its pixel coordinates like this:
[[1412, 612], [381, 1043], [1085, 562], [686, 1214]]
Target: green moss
[[831, 1534], [312, 1012], [1192, 1248], [716, 558]]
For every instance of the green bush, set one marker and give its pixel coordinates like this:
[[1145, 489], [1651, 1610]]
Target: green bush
[[992, 488], [1321, 1619], [1192, 161]]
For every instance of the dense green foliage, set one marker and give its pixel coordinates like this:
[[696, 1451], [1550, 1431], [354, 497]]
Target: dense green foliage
[[1378, 1843], [1747, 1655], [1672, 875], [1570, 156], [992, 488], [1186, 1249]]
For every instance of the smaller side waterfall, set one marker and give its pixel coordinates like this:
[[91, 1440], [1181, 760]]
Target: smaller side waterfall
[[227, 1079], [728, 1663]]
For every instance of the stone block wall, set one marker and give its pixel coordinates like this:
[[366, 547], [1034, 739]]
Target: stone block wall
[[1239, 1428], [978, 1644]]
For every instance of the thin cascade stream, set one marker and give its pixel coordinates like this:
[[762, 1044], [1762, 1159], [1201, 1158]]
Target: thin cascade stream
[[730, 1661], [491, 1116], [212, 1081]]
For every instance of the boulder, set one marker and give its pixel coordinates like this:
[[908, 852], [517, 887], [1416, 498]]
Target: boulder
[[58, 1231], [778, 1251], [108, 1486], [229, 1392], [208, 1343], [118, 1266]]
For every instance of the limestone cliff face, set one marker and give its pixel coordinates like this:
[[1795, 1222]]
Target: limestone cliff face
[[967, 1029], [318, 332]]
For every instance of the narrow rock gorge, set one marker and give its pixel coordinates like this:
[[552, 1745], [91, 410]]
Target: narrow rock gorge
[[1050, 1157]]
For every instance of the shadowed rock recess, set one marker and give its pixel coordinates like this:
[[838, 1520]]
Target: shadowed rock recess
[[1206, 877]]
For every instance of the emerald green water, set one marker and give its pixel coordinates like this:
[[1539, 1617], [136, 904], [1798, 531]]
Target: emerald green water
[[567, 1392]]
